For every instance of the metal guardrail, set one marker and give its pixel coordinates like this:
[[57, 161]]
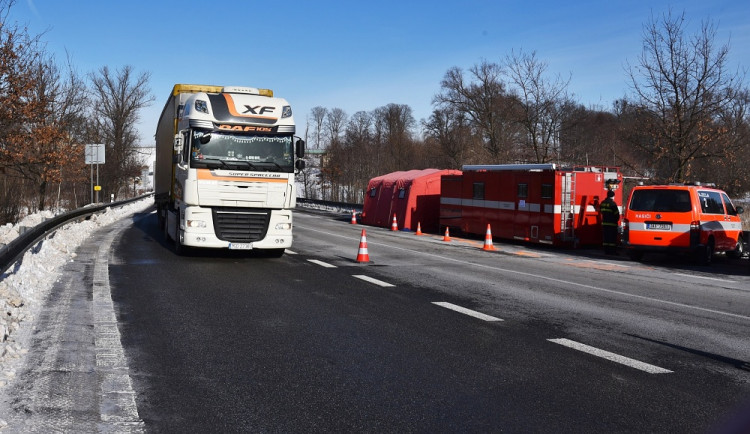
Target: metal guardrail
[[330, 204], [11, 253]]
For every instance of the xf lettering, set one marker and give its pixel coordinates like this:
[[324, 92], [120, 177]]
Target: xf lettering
[[258, 110]]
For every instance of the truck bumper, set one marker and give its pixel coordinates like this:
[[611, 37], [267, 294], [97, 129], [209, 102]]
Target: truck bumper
[[197, 230]]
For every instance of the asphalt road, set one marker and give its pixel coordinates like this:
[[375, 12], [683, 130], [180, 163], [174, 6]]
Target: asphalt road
[[429, 336]]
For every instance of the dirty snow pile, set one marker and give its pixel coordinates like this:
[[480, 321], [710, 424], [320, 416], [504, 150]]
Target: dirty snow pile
[[24, 288]]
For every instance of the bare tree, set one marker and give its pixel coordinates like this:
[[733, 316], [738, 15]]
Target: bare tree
[[590, 136], [334, 124], [731, 171], [318, 117], [119, 97], [359, 145], [32, 137], [393, 125], [451, 131], [330, 172], [485, 100], [541, 105], [682, 84]]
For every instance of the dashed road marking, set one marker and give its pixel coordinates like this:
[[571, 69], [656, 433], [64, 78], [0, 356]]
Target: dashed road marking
[[466, 311], [651, 369], [704, 277], [321, 263], [372, 280]]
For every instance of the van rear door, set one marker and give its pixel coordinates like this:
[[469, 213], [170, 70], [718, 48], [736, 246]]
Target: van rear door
[[660, 217]]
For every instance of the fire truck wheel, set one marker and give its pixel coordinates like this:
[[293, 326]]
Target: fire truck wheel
[[635, 255]]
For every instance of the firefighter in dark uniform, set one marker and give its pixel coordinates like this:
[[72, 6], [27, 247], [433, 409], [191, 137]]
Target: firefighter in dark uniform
[[610, 218]]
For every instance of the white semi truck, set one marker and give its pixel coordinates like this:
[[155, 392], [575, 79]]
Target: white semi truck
[[225, 163]]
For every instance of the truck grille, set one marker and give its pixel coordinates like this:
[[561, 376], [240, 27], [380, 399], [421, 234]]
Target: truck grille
[[241, 224]]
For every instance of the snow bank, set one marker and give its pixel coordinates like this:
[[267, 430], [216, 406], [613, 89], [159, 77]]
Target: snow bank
[[23, 290]]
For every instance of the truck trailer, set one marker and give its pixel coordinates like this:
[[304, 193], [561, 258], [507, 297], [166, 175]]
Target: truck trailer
[[538, 203], [225, 163]]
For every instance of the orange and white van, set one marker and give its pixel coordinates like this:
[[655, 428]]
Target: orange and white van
[[694, 219]]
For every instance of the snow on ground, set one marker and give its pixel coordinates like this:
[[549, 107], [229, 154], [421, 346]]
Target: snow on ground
[[24, 288]]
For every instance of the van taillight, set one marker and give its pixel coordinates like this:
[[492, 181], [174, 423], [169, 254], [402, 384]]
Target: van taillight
[[624, 233], [695, 233]]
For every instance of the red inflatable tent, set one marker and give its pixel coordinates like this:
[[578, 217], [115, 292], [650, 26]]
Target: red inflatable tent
[[414, 196]]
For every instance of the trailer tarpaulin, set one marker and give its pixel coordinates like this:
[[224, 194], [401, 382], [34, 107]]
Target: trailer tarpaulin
[[413, 196]]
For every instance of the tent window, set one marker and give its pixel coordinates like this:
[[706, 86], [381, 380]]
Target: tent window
[[478, 192], [401, 193], [373, 192]]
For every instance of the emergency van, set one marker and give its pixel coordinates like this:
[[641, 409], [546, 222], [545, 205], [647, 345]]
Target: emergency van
[[695, 219]]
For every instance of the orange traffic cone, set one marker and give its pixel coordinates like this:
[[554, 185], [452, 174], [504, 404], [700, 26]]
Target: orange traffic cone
[[488, 240], [447, 236], [354, 217], [394, 225], [362, 255], [419, 229]]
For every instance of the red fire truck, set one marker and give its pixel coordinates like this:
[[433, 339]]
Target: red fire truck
[[539, 203]]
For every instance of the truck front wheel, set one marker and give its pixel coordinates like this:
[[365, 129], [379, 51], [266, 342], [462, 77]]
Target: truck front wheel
[[178, 247], [274, 253]]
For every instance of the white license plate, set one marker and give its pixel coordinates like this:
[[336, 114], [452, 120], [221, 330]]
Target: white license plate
[[659, 226], [241, 246]]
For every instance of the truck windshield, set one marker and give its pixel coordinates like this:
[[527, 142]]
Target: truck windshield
[[238, 151]]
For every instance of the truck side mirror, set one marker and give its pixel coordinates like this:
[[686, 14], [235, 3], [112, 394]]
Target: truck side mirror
[[300, 151], [300, 164]]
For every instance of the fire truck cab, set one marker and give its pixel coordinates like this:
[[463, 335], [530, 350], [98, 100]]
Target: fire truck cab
[[695, 219]]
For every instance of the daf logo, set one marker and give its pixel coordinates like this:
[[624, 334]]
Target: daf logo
[[255, 110]]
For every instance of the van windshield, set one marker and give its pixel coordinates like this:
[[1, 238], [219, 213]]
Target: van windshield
[[660, 200]]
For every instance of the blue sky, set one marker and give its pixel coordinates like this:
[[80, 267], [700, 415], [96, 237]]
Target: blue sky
[[359, 55]]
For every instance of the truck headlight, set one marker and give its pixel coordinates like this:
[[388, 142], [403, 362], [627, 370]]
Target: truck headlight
[[201, 106], [283, 226], [196, 224]]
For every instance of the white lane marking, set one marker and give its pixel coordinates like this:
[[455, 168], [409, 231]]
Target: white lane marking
[[466, 311], [291, 252], [371, 280], [704, 277], [321, 263], [651, 369], [551, 279], [117, 407]]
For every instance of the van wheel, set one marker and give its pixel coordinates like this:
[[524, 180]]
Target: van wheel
[[739, 250], [705, 254]]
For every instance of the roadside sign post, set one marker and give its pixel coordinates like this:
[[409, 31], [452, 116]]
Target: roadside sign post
[[95, 155]]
